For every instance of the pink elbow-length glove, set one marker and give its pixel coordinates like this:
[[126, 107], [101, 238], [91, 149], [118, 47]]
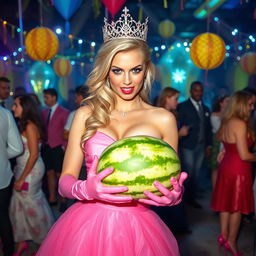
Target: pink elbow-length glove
[[92, 188], [170, 197]]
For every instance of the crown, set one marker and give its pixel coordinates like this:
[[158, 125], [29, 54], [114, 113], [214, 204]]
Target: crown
[[125, 27]]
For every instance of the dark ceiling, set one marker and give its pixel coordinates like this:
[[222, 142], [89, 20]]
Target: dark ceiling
[[240, 14]]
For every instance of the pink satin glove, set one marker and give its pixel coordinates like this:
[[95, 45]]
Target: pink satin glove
[[92, 188], [170, 197]]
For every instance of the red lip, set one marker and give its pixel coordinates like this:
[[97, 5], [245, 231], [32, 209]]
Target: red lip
[[127, 90]]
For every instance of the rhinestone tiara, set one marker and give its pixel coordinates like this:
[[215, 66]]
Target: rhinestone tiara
[[125, 27]]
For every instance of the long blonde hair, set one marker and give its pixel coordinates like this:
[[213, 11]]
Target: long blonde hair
[[237, 108], [101, 99]]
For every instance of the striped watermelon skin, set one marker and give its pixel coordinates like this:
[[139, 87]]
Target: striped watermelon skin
[[138, 162]]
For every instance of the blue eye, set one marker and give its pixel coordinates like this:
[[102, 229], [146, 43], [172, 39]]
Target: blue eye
[[116, 71], [137, 70]]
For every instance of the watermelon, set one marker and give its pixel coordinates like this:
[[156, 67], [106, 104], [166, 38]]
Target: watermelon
[[139, 161]]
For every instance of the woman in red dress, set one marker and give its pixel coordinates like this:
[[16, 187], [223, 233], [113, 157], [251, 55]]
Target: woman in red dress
[[233, 194]]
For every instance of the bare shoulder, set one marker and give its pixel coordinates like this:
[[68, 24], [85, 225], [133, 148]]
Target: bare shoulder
[[237, 124], [83, 113], [162, 115], [31, 127]]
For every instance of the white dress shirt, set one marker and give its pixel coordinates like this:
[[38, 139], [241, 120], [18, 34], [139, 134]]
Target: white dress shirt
[[71, 116], [53, 108], [10, 145], [195, 103]]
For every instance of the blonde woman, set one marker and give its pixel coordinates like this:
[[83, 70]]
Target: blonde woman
[[102, 222], [233, 195]]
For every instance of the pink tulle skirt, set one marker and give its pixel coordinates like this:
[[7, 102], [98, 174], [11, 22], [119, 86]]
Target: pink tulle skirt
[[98, 229]]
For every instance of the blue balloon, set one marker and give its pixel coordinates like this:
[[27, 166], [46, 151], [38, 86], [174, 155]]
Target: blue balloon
[[67, 7], [41, 76]]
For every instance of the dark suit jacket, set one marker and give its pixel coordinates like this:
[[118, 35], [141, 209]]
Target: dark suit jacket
[[188, 115]]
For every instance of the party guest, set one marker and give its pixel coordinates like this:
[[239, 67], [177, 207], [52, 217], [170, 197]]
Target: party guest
[[10, 146], [233, 193], [55, 117], [29, 211]]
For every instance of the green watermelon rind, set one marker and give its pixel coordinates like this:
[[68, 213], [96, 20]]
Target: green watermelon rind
[[167, 166]]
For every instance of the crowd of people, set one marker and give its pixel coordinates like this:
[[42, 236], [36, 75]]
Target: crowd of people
[[50, 145]]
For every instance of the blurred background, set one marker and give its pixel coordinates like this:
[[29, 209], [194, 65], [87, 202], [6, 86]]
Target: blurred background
[[63, 57]]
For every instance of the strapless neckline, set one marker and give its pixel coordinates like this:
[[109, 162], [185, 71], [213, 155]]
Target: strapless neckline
[[105, 135], [111, 138]]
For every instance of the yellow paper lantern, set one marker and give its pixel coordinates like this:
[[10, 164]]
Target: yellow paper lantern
[[166, 28], [248, 63], [41, 44], [62, 67], [207, 51]]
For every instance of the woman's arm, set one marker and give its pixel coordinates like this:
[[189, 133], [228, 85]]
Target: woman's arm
[[32, 136], [92, 188], [241, 135]]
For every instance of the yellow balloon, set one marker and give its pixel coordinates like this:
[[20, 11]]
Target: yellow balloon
[[166, 28], [207, 51]]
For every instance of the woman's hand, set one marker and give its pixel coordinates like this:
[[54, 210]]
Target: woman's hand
[[96, 190], [17, 185], [183, 131], [170, 197], [220, 156]]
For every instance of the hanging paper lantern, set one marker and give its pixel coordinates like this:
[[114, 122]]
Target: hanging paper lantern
[[41, 76], [62, 67], [41, 44], [67, 8], [3, 68], [113, 6], [248, 63], [166, 28], [207, 51]]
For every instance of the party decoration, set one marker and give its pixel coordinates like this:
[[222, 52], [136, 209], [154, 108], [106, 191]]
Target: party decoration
[[113, 6], [3, 68], [166, 28], [67, 8], [41, 44], [62, 67], [139, 161], [248, 63], [41, 76], [207, 51]]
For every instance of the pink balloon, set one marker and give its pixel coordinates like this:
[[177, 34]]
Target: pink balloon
[[113, 6]]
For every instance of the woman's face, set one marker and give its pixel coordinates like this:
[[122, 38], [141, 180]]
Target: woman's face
[[17, 108], [126, 75], [250, 105], [224, 103], [172, 102]]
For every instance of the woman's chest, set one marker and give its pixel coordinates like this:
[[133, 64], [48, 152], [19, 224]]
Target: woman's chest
[[133, 125]]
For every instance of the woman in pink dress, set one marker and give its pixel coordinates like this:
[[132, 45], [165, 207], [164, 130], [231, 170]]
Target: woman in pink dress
[[103, 223], [233, 194]]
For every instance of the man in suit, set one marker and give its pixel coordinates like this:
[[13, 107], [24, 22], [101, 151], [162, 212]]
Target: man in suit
[[10, 146], [197, 144], [55, 118]]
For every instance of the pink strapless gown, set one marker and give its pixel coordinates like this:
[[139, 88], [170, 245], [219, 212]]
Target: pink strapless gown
[[95, 228]]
